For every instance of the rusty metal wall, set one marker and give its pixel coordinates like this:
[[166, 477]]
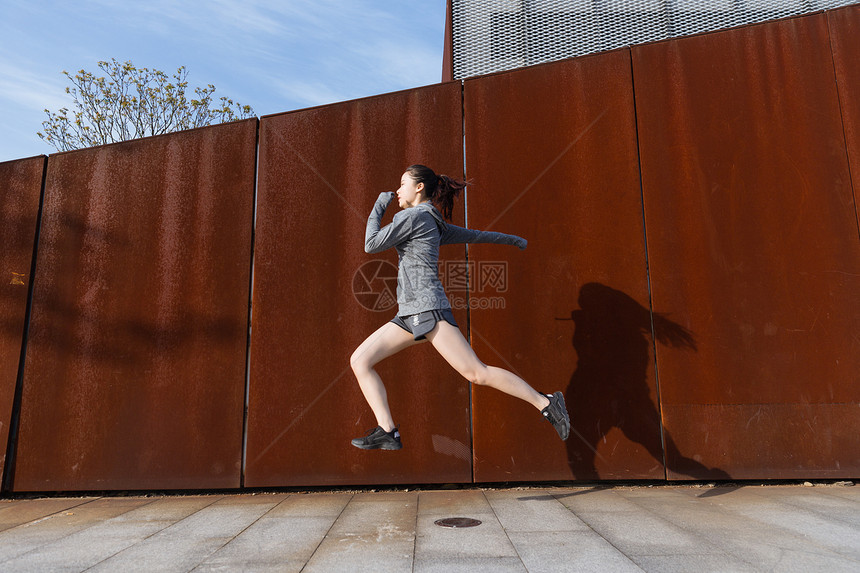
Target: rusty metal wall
[[752, 242], [317, 295], [135, 368], [551, 152], [20, 192], [844, 25]]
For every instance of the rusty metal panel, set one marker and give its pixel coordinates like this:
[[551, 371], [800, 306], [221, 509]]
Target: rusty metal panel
[[752, 243], [810, 440], [20, 190], [551, 152], [135, 368], [320, 172], [844, 25]]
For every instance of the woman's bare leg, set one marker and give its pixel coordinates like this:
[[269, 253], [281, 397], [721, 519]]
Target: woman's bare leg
[[450, 343], [387, 340]]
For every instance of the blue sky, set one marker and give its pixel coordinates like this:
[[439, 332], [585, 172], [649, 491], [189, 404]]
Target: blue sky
[[275, 55]]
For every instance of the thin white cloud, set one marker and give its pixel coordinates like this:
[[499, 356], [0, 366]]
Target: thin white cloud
[[25, 87], [247, 16], [409, 64], [309, 93]]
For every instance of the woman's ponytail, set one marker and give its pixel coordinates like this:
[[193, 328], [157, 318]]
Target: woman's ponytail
[[440, 189], [446, 192]]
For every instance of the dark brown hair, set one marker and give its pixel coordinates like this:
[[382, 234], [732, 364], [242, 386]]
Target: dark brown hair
[[440, 189]]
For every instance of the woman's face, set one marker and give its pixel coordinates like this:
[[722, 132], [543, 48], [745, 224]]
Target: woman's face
[[410, 194]]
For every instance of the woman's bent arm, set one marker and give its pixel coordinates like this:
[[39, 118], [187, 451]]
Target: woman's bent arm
[[377, 240]]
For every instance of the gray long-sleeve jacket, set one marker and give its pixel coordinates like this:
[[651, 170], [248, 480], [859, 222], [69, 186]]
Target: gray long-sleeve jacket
[[416, 233]]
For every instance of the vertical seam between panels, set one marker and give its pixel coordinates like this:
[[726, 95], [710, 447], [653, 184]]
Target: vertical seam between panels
[[842, 123], [648, 267], [468, 278], [15, 419], [247, 392]]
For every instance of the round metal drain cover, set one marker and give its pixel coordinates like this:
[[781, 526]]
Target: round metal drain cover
[[457, 522]]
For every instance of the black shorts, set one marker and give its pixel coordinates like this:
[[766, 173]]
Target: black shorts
[[423, 322]]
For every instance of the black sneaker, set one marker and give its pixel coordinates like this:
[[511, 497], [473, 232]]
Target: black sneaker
[[556, 413], [377, 438]]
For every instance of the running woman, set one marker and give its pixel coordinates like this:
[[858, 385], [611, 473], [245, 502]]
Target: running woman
[[424, 312]]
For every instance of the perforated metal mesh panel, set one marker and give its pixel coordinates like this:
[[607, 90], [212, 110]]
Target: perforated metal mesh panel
[[496, 35]]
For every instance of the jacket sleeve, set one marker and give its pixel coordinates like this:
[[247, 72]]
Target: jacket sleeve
[[454, 234], [377, 240]]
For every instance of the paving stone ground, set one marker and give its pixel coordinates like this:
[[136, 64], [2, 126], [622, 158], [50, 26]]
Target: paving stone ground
[[622, 528]]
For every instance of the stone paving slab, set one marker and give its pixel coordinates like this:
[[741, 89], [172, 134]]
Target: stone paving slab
[[16, 512], [482, 548], [551, 552], [444, 544], [470, 565], [375, 532], [183, 545], [622, 528], [471, 502], [533, 511], [283, 539], [105, 537], [32, 537]]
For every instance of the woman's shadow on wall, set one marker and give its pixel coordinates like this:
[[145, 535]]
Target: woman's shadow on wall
[[609, 388]]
